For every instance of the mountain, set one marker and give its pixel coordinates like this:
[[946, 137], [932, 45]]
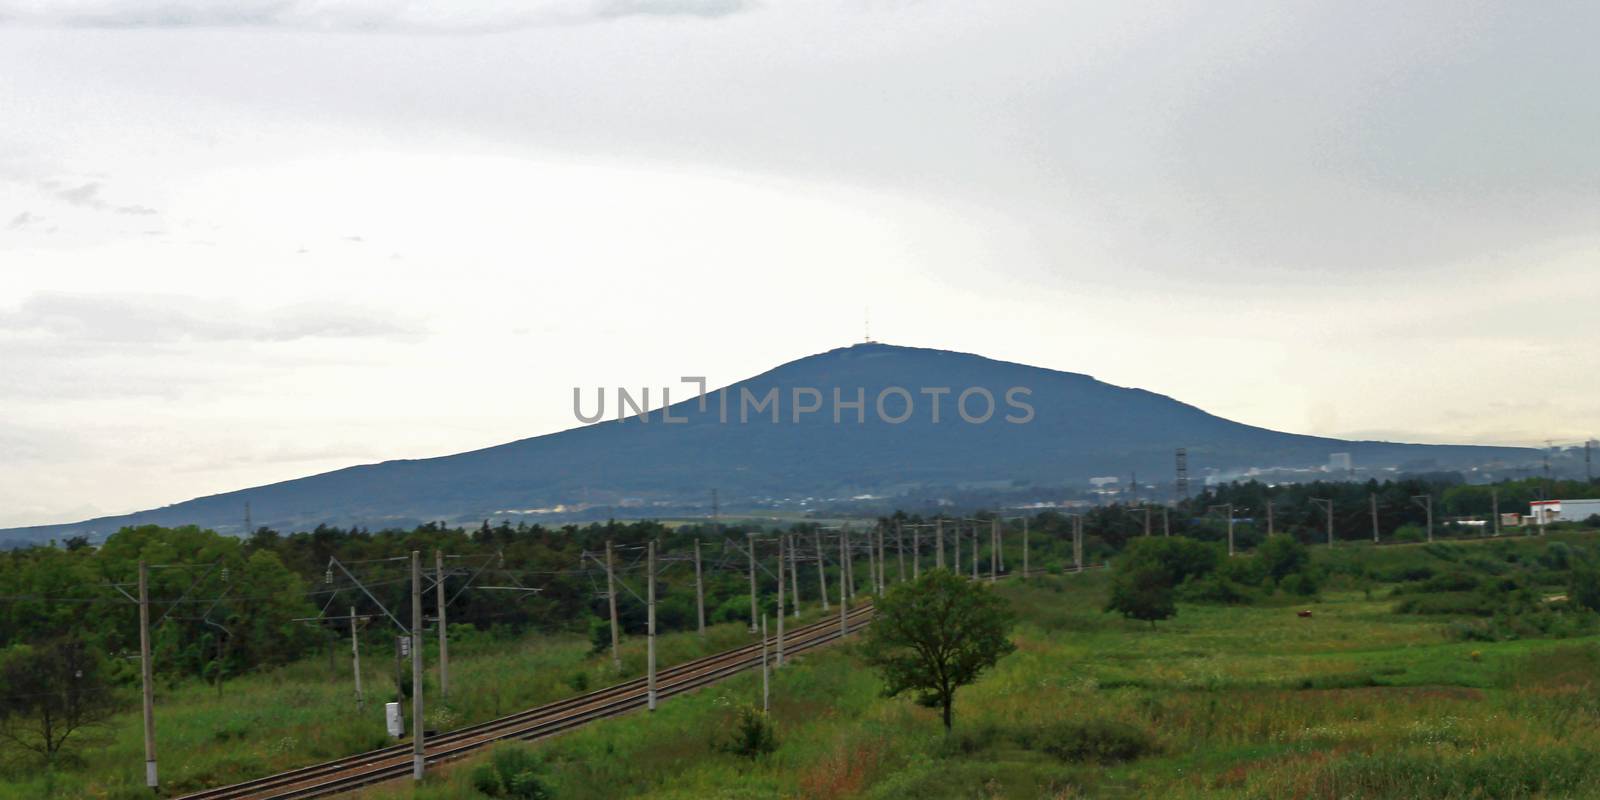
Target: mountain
[[1078, 428]]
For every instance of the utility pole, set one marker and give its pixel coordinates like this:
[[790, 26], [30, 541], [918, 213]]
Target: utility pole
[[1425, 501], [916, 553], [611, 600], [956, 550], [1494, 499], [1147, 520], [780, 605], [1270, 527], [1327, 505], [750, 550], [872, 566], [994, 549], [794, 575], [883, 567], [1229, 507], [699, 590], [1166, 521], [355, 659], [849, 560], [1372, 499], [938, 542], [844, 627], [1230, 529], [900, 548], [650, 626], [444, 639], [1024, 548], [766, 691], [975, 551], [417, 751], [822, 572], [147, 674], [1077, 542]]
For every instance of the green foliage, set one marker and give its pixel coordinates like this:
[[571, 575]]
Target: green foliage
[[1411, 532], [1583, 589], [935, 635], [1100, 741], [752, 735], [1142, 591], [52, 695], [512, 771], [1282, 555]]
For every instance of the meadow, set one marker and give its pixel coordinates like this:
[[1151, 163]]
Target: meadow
[[1253, 701], [305, 712]]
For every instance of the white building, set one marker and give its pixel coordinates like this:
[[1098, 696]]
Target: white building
[[1548, 511], [1340, 463]]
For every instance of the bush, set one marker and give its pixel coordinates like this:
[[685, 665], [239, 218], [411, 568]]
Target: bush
[[752, 734], [511, 772], [1282, 555], [1583, 589], [1410, 532], [1300, 584], [1100, 741]]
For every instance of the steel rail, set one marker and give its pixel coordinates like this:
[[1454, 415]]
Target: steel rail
[[343, 774]]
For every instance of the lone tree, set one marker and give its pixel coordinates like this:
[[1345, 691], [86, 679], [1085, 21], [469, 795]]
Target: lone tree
[[50, 692], [1143, 591], [935, 635]]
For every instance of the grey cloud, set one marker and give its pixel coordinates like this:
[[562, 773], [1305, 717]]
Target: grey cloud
[[415, 16], [87, 195], [23, 220], [162, 318]]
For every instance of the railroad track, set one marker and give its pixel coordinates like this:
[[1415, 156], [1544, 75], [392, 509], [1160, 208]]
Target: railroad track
[[346, 774]]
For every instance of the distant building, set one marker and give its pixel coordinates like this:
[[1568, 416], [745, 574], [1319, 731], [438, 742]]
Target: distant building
[[1548, 511], [1340, 463]]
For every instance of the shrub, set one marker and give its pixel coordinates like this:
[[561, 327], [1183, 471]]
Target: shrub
[[752, 734], [511, 772], [1410, 532], [1583, 589], [1300, 584], [1100, 741], [1281, 556]]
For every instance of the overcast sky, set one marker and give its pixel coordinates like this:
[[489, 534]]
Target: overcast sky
[[243, 241]]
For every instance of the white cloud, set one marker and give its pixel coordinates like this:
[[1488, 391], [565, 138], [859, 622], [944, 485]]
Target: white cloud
[[143, 319], [412, 16]]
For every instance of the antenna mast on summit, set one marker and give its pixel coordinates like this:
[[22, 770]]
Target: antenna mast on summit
[[866, 325]]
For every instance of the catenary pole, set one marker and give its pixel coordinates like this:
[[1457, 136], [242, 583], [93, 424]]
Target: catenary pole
[[611, 601], [916, 553], [994, 549], [750, 545], [780, 602], [938, 542], [900, 548], [1024, 548], [650, 623], [822, 572], [444, 636], [1372, 500], [147, 675], [355, 659], [843, 600], [794, 575], [699, 590], [417, 743], [766, 691]]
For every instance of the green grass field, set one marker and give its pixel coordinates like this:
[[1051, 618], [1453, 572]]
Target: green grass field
[[1252, 701], [1356, 701], [305, 713]]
